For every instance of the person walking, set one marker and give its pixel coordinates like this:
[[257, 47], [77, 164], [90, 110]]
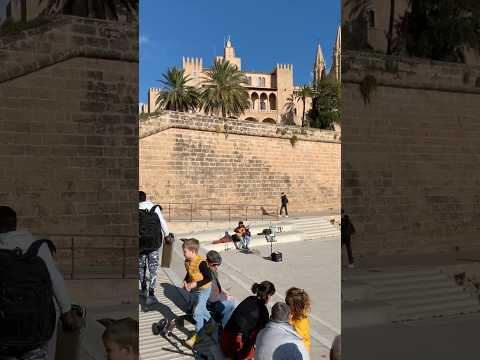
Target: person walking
[[347, 230], [152, 230], [284, 201]]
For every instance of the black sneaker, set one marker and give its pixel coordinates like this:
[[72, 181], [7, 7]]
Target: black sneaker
[[151, 293]]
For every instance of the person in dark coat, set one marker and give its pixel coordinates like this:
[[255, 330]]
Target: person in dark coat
[[249, 317], [284, 201], [347, 231]]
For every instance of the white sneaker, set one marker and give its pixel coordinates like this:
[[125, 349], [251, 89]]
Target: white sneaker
[[286, 215]]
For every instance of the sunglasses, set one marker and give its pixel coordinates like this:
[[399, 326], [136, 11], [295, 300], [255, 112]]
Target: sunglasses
[[215, 264]]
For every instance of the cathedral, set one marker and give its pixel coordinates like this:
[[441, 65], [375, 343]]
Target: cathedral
[[270, 93]]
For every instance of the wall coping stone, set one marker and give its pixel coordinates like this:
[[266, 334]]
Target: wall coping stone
[[62, 38], [410, 72], [199, 122]]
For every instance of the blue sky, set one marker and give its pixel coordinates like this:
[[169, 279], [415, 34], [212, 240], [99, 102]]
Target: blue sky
[[263, 33]]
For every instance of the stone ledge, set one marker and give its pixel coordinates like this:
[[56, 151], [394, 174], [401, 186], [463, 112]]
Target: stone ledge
[[63, 38], [198, 122], [410, 73]]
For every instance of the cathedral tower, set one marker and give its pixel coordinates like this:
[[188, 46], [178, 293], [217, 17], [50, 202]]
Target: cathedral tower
[[319, 66]]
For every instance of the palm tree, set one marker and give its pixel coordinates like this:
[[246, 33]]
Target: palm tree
[[224, 91], [303, 93], [100, 9], [177, 95]]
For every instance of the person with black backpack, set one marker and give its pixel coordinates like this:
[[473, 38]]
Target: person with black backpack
[[152, 231], [31, 290]]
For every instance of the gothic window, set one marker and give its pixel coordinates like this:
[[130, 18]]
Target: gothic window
[[263, 106], [263, 81], [371, 18], [249, 80]]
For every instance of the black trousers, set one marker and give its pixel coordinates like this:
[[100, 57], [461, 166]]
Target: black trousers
[[348, 245], [284, 206]]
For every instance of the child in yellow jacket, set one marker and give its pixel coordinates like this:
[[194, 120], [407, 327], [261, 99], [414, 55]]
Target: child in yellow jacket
[[299, 303]]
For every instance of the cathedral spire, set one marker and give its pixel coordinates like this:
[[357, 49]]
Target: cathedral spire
[[337, 56], [319, 66]]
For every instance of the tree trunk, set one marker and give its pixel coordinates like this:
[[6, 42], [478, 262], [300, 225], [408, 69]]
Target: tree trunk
[[390, 27]]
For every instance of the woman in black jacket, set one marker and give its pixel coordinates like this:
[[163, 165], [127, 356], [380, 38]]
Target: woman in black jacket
[[250, 316]]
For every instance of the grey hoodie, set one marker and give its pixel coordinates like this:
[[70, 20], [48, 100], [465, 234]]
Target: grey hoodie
[[279, 341]]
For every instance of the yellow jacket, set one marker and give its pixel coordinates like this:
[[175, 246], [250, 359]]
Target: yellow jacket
[[193, 271], [302, 327]]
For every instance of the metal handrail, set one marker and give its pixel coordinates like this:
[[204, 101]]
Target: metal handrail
[[192, 208], [74, 247]]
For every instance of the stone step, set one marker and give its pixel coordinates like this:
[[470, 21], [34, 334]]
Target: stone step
[[322, 335], [366, 313], [433, 278], [215, 234], [441, 291], [257, 241], [429, 301], [413, 290], [374, 275], [446, 311], [407, 286], [436, 306], [155, 347]]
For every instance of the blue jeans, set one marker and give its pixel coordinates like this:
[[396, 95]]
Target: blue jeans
[[246, 240], [200, 313], [223, 309]]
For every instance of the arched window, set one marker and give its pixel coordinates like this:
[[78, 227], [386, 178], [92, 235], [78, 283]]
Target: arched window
[[259, 82], [263, 102], [254, 99], [249, 80], [273, 102], [371, 18]]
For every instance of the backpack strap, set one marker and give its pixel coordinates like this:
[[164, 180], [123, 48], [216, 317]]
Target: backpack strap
[[154, 207], [33, 249], [152, 211]]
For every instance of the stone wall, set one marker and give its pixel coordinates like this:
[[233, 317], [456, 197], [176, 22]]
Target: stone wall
[[410, 156], [191, 158], [69, 133]]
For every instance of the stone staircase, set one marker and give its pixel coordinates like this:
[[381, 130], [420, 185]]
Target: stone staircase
[[417, 293], [240, 284], [157, 347], [316, 228]]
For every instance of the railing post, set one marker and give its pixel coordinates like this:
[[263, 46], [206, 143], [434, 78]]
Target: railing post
[[229, 218], [246, 213], [169, 212], [124, 251], [211, 215], [72, 251]]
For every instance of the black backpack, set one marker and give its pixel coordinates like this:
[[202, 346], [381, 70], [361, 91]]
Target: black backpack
[[150, 230], [27, 310]]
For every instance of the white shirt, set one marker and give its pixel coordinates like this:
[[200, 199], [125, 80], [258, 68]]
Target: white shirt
[[23, 239], [147, 205]]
